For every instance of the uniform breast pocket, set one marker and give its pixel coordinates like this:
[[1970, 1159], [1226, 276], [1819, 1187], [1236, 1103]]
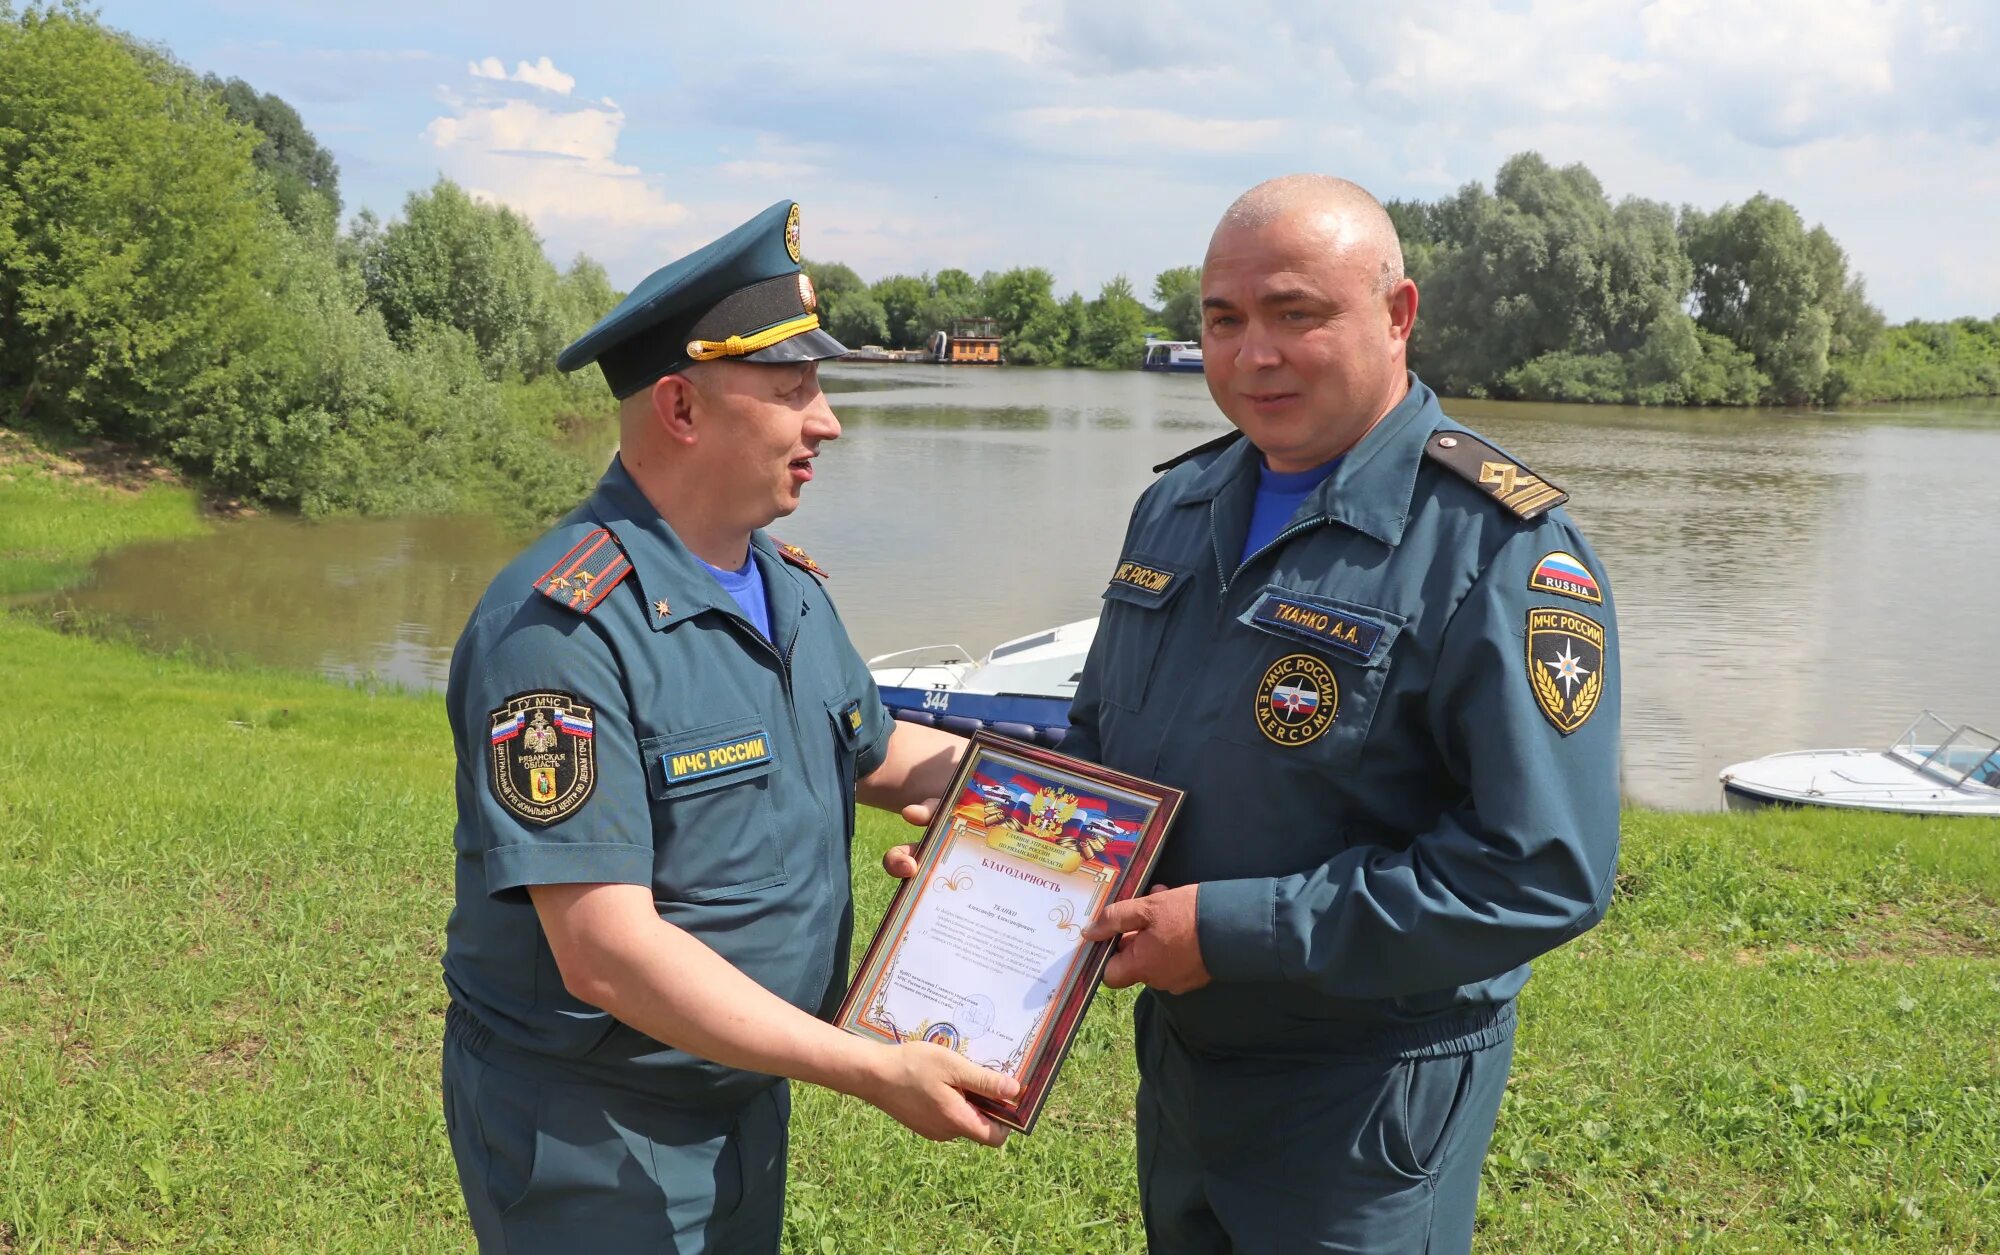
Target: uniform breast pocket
[[849, 723], [714, 812], [1308, 674], [1134, 623]]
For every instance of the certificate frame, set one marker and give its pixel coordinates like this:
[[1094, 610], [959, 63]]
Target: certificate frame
[[1015, 814]]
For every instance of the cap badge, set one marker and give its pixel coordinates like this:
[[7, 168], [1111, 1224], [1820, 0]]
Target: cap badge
[[792, 233]]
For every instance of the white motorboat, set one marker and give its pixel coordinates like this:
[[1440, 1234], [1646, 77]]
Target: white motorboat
[[1021, 689], [1173, 356], [1934, 768]]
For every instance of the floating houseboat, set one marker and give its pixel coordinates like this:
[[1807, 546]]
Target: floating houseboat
[[970, 342]]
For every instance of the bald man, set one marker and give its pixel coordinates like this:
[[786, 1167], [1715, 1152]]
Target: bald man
[[1381, 660]]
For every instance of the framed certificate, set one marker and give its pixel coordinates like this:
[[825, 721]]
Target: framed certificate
[[981, 951]]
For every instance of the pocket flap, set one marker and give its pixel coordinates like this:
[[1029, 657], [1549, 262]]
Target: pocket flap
[[708, 757], [1144, 581], [1346, 630]]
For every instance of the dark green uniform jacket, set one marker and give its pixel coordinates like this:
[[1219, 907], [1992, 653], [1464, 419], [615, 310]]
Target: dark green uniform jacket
[[618, 720], [1397, 726]]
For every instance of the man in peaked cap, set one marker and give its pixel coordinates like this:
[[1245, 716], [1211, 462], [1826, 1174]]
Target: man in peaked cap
[[662, 730]]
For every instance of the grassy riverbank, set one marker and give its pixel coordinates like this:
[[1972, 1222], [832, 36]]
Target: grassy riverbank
[[61, 506], [222, 893]]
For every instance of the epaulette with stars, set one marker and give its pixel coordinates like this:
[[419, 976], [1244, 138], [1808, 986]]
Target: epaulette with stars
[[1517, 489], [582, 578], [802, 560]]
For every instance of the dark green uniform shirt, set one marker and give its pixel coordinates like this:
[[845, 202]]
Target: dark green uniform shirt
[[1397, 726], [649, 735]]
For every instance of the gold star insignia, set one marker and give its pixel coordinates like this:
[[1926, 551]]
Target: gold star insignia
[[660, 608]]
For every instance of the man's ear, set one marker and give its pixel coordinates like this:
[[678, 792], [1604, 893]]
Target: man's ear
[[1403, 309], [675, 402]]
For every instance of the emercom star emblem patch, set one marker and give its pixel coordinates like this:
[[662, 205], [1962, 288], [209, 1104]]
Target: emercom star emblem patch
[[1565, 666], [543, 764]]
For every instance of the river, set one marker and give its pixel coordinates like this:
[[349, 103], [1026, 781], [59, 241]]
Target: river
[[1784, 579]]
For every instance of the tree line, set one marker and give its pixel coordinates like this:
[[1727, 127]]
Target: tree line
[[1540, 290], [172, 275], [1037, 329]]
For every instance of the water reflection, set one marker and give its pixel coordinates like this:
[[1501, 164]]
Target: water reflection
[[1783, 579]]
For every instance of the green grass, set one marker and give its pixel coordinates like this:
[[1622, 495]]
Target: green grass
[[52, 526], [220, 911], [222, 894]]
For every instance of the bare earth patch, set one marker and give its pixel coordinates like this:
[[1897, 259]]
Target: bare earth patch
[[115, 467]]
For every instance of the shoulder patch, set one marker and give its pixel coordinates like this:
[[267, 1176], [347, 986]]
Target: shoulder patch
[[1523, 493], [544, 758], [1207, 446], [1564, 574], [1565, 665], [582, 578], [801, 559]]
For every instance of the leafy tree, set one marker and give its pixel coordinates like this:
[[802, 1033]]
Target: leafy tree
[[1923, 360], [834, 284], [1544, 265], [1759, 281], [1179, 293], [1021, 299], [900, 297], [286, 151], [859, 319], [954, 294], [480, 268], [956, 285], [134, 248], [1114, 329]]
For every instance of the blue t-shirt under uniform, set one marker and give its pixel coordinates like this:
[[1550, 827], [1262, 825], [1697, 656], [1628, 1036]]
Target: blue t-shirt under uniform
[[1279, 496], [746, 585]]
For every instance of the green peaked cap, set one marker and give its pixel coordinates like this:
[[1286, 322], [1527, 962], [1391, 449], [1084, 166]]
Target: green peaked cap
[[743, 296]]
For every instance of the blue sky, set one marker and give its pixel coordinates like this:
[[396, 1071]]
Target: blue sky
[[1099, 137]]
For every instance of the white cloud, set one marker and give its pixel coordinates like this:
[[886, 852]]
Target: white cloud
[[542, 73], [772, 160], [1088, 130], [559, 167]]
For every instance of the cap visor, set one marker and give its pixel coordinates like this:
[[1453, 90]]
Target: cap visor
[[807, 346]]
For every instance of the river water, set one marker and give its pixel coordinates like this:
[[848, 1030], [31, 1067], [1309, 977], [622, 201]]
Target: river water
[[1784, 579]]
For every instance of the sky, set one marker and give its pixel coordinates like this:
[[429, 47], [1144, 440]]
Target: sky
[[1101, 137]]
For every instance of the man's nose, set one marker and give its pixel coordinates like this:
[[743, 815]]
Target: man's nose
[[821, 422], [1257, 349]]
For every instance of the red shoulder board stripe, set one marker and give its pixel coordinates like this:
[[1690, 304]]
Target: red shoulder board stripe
[[801, 559], [585, 575]]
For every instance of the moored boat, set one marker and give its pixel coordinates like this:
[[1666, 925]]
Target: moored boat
[[1934, 768], [1176, 356], [1022, 688]]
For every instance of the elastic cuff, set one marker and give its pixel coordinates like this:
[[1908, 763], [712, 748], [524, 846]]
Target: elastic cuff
[[515, 866], [1236, 921]]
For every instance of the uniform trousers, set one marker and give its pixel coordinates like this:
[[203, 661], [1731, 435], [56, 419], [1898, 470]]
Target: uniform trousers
[[1257, 1156], [557, 1166]]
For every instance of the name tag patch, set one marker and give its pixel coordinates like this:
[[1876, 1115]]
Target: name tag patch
[[1144, 578], [710, 760], [1351, 634]]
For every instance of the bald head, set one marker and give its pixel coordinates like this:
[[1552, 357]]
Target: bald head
[[1351, 220]]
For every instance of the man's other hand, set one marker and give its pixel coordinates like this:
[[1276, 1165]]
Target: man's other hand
[[1158, 944], [901, 860], [925, 1086]]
